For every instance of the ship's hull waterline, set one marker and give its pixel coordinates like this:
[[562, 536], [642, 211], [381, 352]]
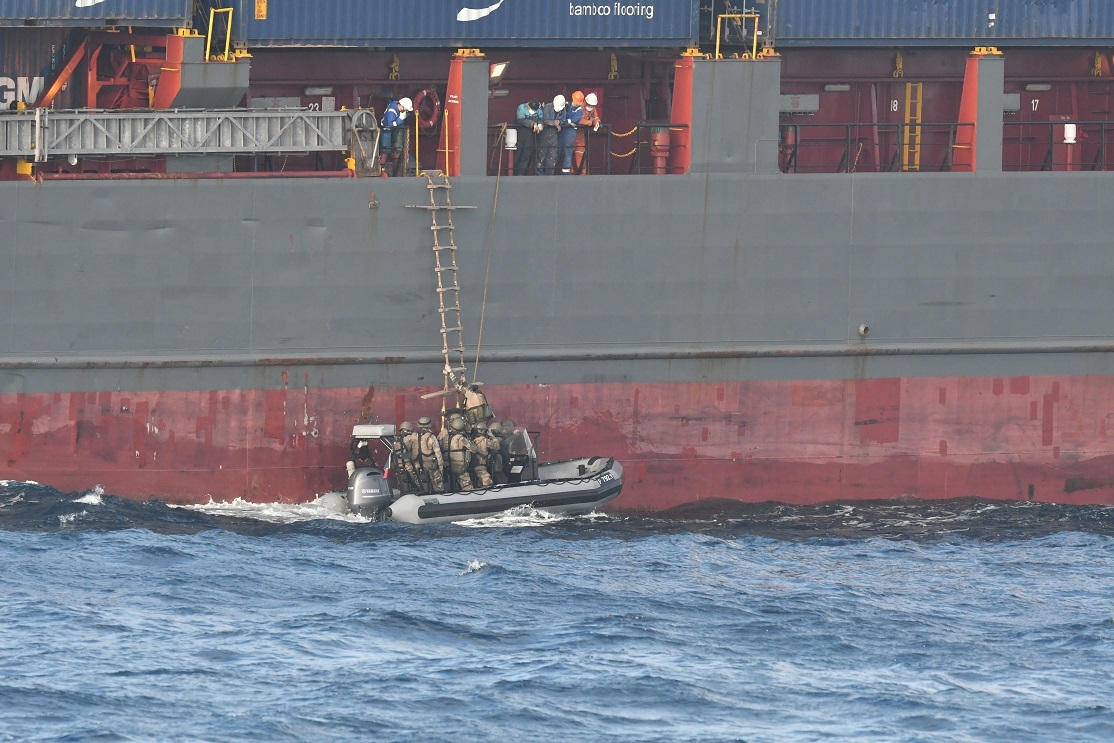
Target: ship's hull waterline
[[793, 338]]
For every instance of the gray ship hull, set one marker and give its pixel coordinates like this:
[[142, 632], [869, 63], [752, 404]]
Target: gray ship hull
[[725, 335]]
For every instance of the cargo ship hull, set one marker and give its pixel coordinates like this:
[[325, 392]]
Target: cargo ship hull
[[754, 337]]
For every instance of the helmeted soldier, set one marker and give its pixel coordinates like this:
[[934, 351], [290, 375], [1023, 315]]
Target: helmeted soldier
[[403, 447], [447, 431], [496, 464], [484, 446], [461, 451], [476, 408], [429, 455]]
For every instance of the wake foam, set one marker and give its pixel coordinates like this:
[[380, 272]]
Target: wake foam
[[274, 513], [527, 516]]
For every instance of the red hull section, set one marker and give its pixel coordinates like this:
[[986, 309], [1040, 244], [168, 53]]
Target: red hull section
[[1036, 438]]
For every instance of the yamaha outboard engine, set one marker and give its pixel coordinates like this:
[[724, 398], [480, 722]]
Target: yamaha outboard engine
[[368, 490]]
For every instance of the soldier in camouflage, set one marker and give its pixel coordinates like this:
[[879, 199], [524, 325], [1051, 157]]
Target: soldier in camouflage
[[429, 455], [483, 446], [410, 480], [461, 451]]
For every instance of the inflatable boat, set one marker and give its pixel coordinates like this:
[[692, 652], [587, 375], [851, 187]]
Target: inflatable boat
[[571, 486]]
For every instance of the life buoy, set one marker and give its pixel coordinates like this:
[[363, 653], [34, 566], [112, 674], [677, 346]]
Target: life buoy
[[428, 108]]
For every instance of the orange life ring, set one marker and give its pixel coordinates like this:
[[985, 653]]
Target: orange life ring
[[428, 108]]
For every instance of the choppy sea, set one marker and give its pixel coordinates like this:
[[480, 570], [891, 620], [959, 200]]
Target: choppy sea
[[883, 621]]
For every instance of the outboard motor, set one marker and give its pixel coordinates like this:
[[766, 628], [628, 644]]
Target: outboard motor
[[369, 492]]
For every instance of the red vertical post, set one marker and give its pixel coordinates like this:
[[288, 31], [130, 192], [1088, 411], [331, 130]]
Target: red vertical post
[[680, 156], [449, 162], [967, 135]]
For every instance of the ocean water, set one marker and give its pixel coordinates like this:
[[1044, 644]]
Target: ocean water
[[885, 621]]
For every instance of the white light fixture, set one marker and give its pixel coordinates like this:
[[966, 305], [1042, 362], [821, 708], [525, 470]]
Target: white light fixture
[[495, 72], [837, 87], [318, 90], [1038, 87]]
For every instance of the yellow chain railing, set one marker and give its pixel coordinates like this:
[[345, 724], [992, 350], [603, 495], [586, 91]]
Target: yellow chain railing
[[625, 134]]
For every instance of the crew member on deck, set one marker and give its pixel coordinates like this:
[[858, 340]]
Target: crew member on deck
[[548, 139], [589, 120], [528, 121], [395, 131], [566, 139]]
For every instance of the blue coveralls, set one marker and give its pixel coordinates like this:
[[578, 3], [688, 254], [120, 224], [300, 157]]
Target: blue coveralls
[[393, 118], [569, 118]]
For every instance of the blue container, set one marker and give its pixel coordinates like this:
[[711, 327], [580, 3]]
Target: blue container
[[468, 23], [827, 23], [93, 13]]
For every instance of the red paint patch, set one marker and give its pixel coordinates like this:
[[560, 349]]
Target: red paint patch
[[943, 395], [943, 448], [1019, 385], [878, 410], [574, 402], [1055, 452], [703, 434], [1047, 421], [720, 394], [999, 386], [274, 414]]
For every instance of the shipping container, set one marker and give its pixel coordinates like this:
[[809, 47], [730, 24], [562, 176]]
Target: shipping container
[[824, 23], [96, 13], [471, 23], [28, 59]]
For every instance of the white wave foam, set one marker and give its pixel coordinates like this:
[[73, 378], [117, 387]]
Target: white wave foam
[[275, 513], [475, 566], [71, 518], [16, 483], [94, 497], [527, 516]]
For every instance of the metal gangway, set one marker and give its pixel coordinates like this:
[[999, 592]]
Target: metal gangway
[[40, 134]]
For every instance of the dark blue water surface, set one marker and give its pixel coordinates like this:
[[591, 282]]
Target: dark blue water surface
[[954, 621]]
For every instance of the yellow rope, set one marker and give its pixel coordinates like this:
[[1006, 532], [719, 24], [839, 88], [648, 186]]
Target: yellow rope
[[616, 154], [627, 134], [490, 247]]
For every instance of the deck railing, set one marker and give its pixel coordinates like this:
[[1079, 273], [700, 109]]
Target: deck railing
[[646, 148], [1030, 146], [868, 148]]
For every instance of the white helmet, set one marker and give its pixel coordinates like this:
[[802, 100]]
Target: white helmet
[[591, 99], [559, 103], [406, 104]]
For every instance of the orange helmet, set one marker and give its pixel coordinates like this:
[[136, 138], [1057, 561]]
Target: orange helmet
[[578, 98]]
